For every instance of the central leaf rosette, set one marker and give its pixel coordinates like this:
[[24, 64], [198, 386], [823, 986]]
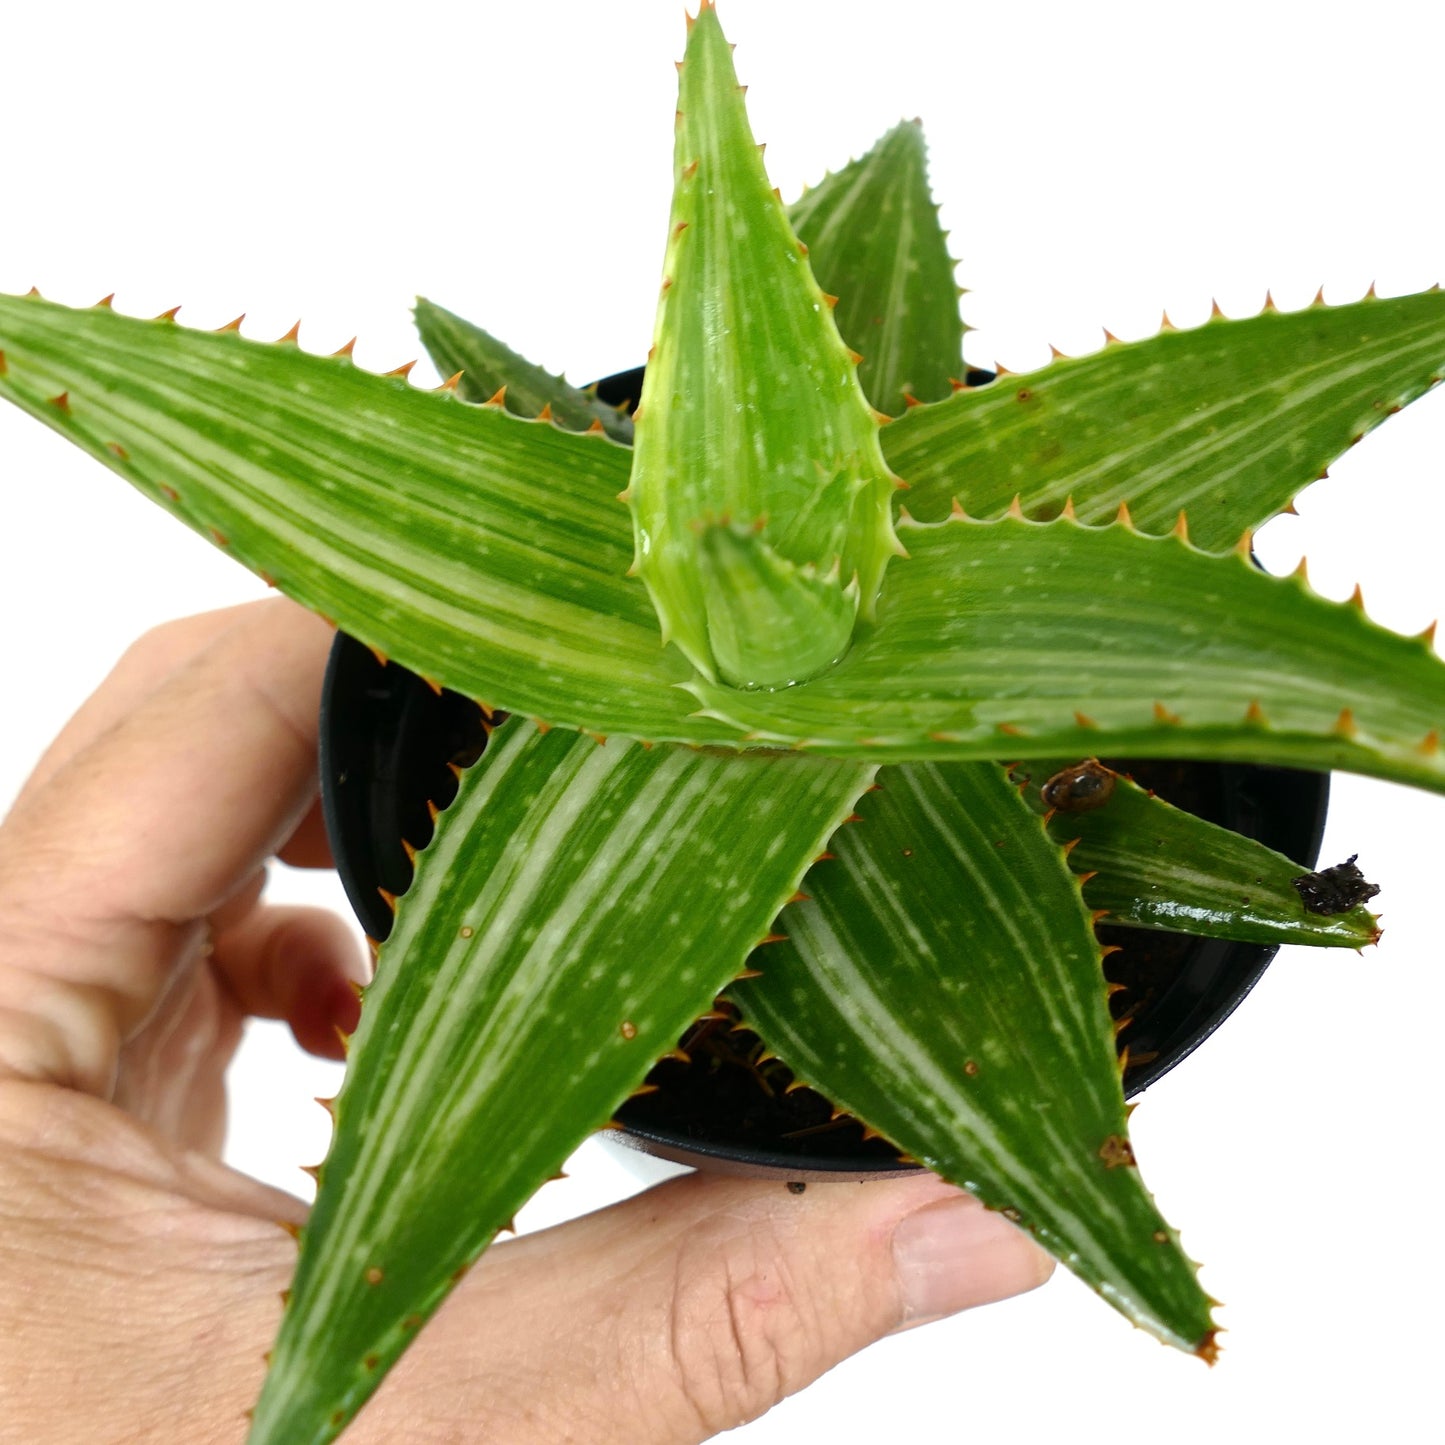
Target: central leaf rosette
[[761, 502]]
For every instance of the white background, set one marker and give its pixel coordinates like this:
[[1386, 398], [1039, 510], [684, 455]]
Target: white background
[[1096, 163]]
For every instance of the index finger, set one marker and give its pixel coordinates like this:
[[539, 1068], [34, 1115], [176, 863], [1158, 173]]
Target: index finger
[[110, 866]]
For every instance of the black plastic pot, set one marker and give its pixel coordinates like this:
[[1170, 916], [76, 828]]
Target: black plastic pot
[[387, 739]]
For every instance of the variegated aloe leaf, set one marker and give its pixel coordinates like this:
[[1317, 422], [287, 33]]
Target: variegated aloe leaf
[[1044, 639], [874, 241], [578, 906], [1227, 421], [480, 550], [943, 983], [1152, 865], [485, 366], [758, 487]]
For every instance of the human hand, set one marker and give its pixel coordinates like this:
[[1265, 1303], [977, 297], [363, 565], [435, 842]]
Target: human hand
[[140, 1278]]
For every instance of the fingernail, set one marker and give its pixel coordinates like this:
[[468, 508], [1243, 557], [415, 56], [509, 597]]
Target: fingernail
[[955, 1254]]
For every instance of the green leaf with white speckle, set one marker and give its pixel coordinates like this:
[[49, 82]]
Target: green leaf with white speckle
[[874, 241], [1039, 639], [483, 551], [578, 907], [1227, 421], [488, 366], [751, 412], [942, 982]]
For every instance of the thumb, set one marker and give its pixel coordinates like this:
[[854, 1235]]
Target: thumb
[[698, 1305]]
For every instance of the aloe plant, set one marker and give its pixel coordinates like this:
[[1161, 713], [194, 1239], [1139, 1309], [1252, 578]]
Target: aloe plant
[[748, 731]]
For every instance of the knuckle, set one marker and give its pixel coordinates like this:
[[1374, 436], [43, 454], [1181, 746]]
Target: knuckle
[[740, 1332], [155, 647]]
